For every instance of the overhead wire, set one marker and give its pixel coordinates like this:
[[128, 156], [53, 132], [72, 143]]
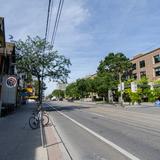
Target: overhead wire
[[48, 18], [58, 15], [43, 53]]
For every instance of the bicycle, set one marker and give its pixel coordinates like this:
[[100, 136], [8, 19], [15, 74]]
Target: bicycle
[[37, 117]]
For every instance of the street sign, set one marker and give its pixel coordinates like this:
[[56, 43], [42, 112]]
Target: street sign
[[11, 82], [133, 86], [121, 87]]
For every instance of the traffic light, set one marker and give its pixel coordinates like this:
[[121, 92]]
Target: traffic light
[[2, 33]]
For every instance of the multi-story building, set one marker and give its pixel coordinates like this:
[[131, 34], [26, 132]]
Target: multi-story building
[[2, 33], [8, 95], [9, 79], [147, 64], [2, 54]]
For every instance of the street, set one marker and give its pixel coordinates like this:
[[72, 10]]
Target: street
[[107, 133]]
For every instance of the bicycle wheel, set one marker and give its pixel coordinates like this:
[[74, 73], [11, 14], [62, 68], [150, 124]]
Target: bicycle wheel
[[33, 122], [45, 120]]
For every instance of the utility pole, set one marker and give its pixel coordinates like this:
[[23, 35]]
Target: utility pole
[[121, 92]]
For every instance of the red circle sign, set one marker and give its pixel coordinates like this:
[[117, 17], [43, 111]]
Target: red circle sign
[[11, 82]]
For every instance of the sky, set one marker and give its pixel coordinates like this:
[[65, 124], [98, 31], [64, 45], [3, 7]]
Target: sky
[[88, 29]]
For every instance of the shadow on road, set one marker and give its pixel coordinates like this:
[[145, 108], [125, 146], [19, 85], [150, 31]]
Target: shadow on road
[[63, 108]]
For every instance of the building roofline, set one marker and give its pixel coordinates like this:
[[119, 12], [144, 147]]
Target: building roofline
[[145, 54], [10, 43]]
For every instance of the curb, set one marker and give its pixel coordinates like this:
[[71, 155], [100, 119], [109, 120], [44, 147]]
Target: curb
[[62, 146], [64, 153]]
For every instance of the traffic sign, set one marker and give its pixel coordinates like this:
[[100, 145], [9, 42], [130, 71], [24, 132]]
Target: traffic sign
[[11, 82], [133, 86]]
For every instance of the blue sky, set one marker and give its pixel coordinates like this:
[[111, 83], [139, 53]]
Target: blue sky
[[88, 29]]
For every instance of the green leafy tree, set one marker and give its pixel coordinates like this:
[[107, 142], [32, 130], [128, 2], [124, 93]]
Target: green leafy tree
[[83, 87], [72, 91], [146, 91], [91, 88], [31, 59], [36, 87], [58, 93], [103, 83], [49, 96], [133, 96], [155, 93], [91, 85], [118, 65]]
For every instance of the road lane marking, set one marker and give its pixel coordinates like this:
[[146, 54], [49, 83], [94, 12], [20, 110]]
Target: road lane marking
[[113, 145], [99, 115]]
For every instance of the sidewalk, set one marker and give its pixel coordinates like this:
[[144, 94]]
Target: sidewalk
[[126, 105], [53, 143], [143, 104], [17, 140]]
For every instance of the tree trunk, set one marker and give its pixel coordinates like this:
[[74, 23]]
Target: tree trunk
[[39, 90], [110, 96], [121, 94]]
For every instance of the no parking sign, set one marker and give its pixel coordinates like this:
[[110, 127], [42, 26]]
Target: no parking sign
[[11, 82]]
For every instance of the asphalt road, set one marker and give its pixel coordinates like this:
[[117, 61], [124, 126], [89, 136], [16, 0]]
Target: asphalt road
[[105, 133]]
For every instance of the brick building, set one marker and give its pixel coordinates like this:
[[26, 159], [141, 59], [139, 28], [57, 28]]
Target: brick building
[[147, 64]]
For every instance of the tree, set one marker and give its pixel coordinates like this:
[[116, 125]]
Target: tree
[[116, 64], [145, 87], [36, 87], [58, 93], [49, 96], [103, 83], [35, 56], [82, 87], [72, 91]]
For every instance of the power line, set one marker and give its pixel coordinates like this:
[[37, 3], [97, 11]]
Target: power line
[[48, 15], [51, 10], [59, 11], [46, 33]]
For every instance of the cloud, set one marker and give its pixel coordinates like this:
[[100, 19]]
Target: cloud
[[24, 17], [70, 35], [88, 30], [71, 39]]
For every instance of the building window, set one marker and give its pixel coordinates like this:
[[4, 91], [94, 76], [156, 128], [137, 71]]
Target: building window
[[142, 64], [143, 74], [135, 76], [157, 71], [157, 59], [134, 66]]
